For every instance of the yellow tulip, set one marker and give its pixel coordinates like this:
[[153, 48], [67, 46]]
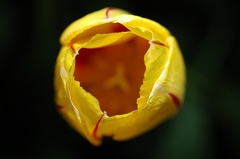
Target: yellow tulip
[[117, 75]]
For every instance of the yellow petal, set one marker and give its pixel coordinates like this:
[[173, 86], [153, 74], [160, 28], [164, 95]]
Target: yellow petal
[[79, 27], [118, 75]]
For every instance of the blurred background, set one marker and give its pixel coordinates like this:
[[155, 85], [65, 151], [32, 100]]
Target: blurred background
[[207, 126]]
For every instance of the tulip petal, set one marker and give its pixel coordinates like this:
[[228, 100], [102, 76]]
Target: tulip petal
[[101, 40], [94, 19]]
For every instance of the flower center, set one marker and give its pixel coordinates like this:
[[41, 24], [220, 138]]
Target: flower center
[[113, 74]]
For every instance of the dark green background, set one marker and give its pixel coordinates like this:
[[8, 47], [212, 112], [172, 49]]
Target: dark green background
[[207, 126]]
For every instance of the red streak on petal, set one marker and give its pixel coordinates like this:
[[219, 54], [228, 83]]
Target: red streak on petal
[[94, 132], [59, 106], [159, 43], [107, 12], [71, 46], [175, 100]]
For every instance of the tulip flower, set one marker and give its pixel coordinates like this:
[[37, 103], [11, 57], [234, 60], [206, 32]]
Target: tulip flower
[[117, 75]]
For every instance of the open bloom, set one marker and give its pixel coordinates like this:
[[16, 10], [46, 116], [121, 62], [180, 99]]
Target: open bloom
[[117, 75]]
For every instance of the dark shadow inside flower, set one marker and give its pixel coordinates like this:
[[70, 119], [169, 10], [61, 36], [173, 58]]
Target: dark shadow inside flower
[[113, 73]]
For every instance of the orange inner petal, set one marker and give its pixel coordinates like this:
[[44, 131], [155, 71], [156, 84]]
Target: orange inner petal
[[113, 74]]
